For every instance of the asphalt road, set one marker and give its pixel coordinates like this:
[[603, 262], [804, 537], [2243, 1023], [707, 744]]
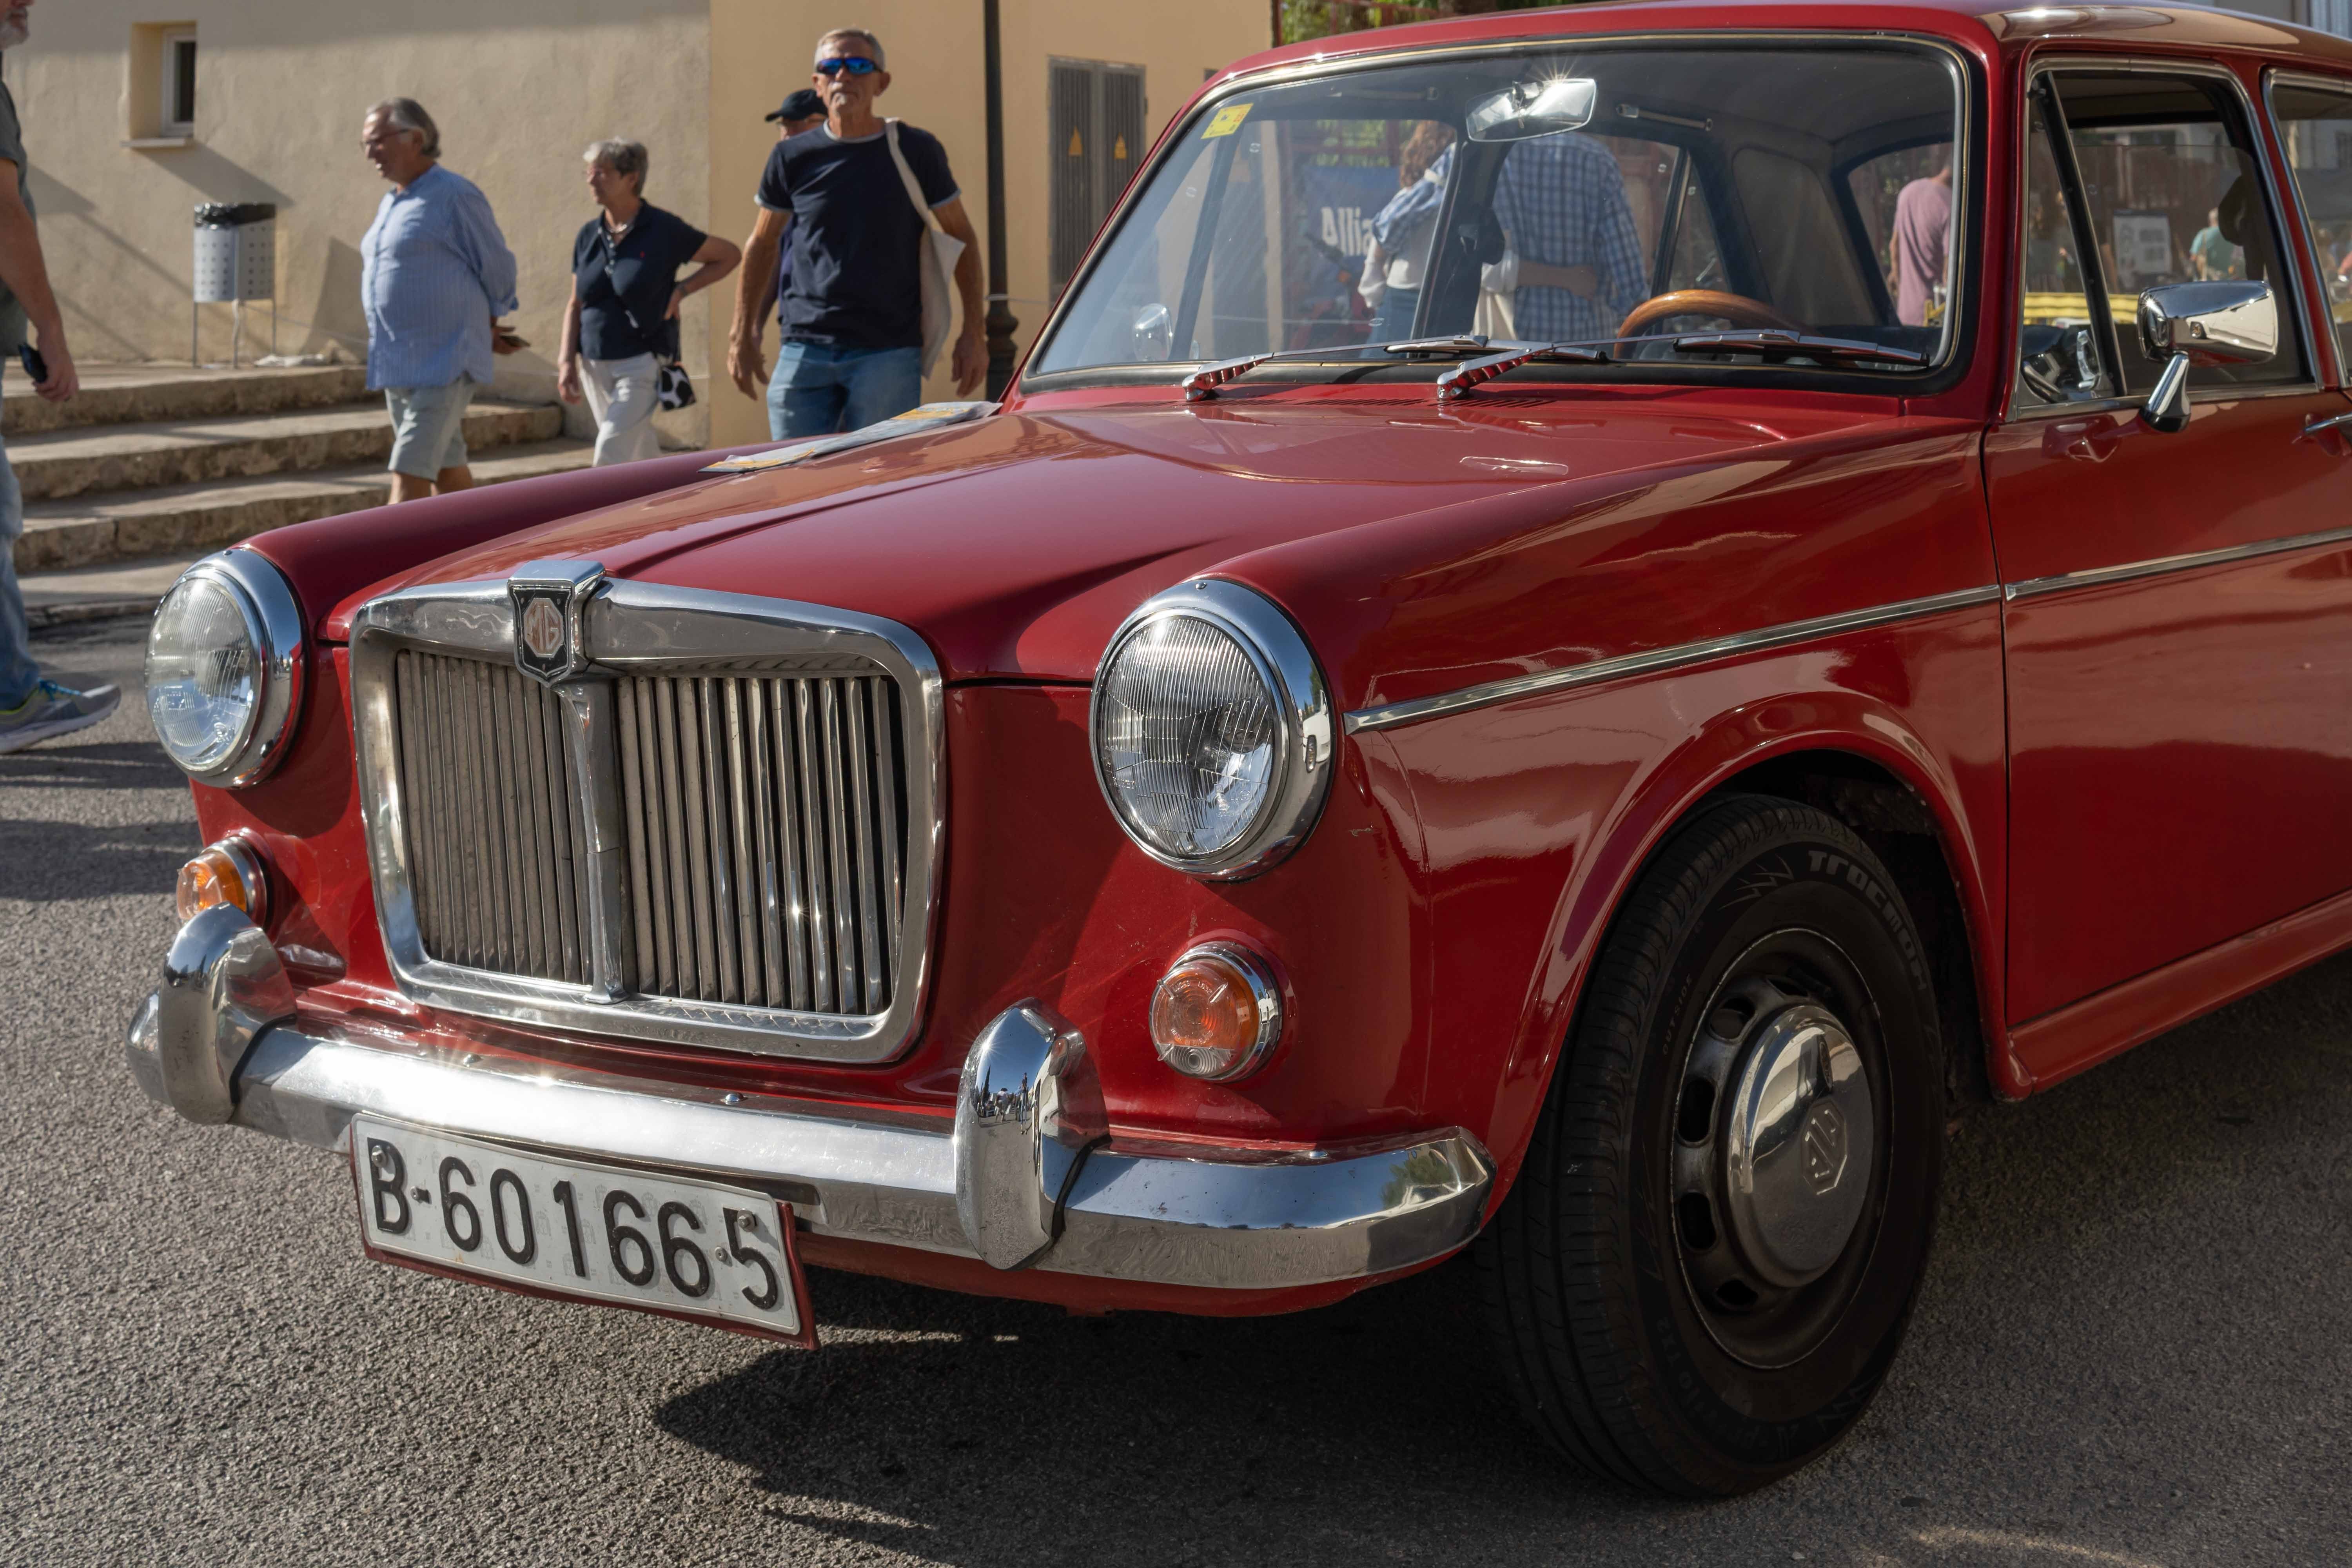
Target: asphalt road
[[2133, 1347]]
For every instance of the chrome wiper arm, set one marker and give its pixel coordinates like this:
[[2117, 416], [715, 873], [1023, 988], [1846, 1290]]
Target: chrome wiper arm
[[1458, 381], [1772, 344], [1204, 383]]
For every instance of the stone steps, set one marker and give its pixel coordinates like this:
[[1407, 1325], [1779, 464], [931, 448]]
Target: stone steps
[[143, 393], [151, 461], [86, 530], [72, 462]]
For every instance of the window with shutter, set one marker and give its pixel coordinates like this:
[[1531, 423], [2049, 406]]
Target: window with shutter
[[1094, 141]]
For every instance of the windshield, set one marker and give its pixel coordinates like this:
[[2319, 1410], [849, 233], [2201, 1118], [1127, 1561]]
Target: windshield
[[1587, 195]]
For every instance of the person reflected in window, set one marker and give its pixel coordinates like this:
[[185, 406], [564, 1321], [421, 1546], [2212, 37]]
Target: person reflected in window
[[1402, 230], [1923, 227], [2211, 252], [1575, 266]]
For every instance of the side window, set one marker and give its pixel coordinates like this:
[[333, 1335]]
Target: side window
[[1693, 259], [2173, 190], [1904, 199], [1804, 250], [2316, 125], [2061, 359]]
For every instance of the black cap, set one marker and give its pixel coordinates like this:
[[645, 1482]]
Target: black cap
[[800, 106]]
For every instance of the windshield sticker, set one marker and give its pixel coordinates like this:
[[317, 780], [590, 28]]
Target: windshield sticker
[[1226, 120]]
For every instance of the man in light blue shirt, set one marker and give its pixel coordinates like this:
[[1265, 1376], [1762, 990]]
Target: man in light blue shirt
[[435, 276]]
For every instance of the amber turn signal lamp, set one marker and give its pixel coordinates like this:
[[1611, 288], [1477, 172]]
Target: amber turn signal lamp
[[229, 872], [1217, 1014]]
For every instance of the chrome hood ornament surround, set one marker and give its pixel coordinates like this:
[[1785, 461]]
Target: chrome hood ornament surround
[[549, 596]]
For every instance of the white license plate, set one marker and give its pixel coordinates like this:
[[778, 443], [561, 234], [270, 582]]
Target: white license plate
[[564, 1228]]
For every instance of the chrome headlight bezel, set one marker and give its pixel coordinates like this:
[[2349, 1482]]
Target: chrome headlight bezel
[[1303, 734], [273, 624]]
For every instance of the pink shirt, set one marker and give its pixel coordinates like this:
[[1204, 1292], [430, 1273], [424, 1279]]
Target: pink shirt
[[1923, 220]]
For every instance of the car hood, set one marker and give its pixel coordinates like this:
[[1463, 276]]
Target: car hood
[[1015, 544]]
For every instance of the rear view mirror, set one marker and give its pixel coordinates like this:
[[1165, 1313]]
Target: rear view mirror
[[1531, 109], [2189, 324]]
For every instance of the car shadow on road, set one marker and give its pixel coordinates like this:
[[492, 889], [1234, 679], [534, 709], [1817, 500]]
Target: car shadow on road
[[106, 764], [46, 861], [2078, 1244], [954, 1428]]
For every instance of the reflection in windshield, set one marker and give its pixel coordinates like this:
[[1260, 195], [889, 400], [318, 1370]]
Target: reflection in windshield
[[1716, 188]]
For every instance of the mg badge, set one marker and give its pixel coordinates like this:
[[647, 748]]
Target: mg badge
[[548, 598], [542, 629], [1824, 1145]]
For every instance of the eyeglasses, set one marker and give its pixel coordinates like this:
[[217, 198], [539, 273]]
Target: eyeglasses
[[856, 65]]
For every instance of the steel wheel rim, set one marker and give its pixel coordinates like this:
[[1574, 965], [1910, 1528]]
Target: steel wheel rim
[[1770, 1270]]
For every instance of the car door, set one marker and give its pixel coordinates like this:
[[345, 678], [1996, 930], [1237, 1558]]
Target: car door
[[2178, 607]]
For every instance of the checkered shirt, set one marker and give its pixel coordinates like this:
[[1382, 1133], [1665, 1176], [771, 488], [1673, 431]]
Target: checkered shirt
[[1562, 198]]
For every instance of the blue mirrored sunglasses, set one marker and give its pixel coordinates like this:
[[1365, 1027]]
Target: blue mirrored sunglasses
[[856, 65]]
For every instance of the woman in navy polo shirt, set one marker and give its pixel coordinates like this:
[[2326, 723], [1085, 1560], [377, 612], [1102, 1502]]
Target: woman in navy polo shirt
[[625, 293]]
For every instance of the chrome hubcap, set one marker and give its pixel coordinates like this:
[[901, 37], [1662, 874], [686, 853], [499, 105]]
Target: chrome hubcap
[[1774, 1146], [1796, 1143]]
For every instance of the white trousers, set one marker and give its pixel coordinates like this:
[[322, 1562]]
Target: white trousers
[[621, 396]]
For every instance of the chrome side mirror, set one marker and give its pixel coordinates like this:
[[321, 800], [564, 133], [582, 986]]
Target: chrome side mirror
[[2188, 324], [1152, 335]]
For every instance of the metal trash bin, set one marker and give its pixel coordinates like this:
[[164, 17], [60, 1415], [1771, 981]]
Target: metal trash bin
[[236, 260]]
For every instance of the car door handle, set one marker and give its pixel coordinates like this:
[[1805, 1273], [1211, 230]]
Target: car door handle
[[2331, 422]]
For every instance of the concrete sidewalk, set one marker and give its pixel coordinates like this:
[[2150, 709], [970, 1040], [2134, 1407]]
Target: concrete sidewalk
[[99, 593]]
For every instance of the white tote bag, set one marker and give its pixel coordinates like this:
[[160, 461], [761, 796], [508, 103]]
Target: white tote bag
[[937, 265]]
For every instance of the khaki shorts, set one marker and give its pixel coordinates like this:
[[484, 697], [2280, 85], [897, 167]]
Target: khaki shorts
[[429, 428]]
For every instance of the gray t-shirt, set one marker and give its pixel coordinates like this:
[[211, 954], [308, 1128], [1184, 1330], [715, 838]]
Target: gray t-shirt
[[14, 330]]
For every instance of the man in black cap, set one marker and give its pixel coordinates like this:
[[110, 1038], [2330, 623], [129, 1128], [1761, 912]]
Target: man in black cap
[[803, 111]]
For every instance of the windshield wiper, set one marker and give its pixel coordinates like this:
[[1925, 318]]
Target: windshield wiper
[[1509, 356], [1204, 383], [1774, 344]]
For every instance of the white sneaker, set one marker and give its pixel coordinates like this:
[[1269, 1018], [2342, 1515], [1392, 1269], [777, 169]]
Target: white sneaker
[[53, 710]]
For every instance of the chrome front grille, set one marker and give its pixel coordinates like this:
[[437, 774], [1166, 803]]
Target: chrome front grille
[[766, 836], [493, 816], [706, 819]]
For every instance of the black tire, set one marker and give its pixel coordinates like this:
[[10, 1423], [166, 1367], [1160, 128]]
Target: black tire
[[1624, 1337]]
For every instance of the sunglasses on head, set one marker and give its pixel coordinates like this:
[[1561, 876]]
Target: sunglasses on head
[[856, 65]]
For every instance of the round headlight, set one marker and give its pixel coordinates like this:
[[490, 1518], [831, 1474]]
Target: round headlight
[[1213, 730], [224, 669]]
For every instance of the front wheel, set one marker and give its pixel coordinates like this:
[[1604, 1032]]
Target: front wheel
[[1706, 1264]]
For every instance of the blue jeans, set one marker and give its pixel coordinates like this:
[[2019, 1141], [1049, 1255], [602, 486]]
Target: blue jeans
[[819, 389], [1394, 318], [18, 673]]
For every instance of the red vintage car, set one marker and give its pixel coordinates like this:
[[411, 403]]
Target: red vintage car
[[1581, 626]]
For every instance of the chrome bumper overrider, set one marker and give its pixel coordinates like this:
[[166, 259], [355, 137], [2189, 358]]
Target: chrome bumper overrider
[[1028, 1175]]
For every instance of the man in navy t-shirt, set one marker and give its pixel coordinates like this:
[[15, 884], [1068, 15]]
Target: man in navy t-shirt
[[801, 110], [852, 312]]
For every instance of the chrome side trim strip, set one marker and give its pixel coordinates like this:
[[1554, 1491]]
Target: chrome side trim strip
[[2099, 576], [1390, 715]]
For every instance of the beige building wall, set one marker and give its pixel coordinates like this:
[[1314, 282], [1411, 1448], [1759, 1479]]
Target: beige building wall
[[519, 88], [758, 52]]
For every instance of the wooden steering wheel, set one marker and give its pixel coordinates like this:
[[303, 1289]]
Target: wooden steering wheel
[[1737, 309]]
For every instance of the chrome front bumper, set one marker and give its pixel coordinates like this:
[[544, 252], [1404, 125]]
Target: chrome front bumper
[[1027, 1175]]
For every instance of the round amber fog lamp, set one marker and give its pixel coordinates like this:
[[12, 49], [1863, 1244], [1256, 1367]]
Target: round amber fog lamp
[[229, 872], [1217, 1014]]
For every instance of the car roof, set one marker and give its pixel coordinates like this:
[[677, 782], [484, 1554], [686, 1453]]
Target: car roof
[[2008, 28]]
